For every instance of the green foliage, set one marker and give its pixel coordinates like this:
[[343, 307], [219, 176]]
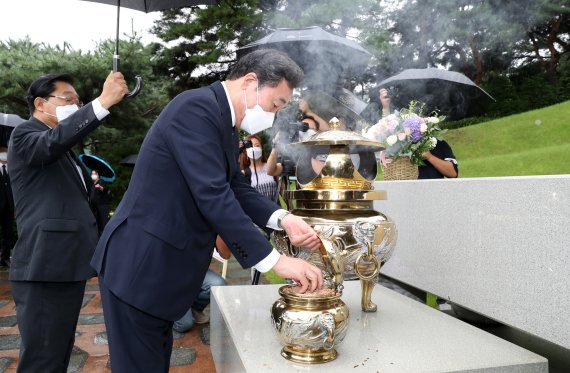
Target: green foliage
[[204, 40], [123, 130], [273, 278], [536, 142]]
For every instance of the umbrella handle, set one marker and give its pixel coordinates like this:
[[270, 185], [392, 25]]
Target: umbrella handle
[[137, 89], [138, 84]]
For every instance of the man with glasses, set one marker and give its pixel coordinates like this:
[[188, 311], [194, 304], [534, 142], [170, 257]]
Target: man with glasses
[[57, 232]]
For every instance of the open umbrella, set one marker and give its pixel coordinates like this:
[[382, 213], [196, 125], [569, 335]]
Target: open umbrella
[[451, 93], [129, 160], [322, 56], [7, 124], [145, 6], [93, 162], [10, 120]]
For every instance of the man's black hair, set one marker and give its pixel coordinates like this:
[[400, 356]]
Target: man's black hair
[[44, 86], [271, 67]]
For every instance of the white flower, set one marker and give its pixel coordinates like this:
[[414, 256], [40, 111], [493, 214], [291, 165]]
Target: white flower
[[391, 140], [423, 127], [433, 142], [432, 120]]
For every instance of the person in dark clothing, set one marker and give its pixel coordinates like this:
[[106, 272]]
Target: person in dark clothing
[[379, 107], [56, 229], [99, 200], [6, 212], [440, 162]]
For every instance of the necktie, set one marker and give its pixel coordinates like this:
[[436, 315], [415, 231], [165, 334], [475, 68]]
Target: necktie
[[4, 172]]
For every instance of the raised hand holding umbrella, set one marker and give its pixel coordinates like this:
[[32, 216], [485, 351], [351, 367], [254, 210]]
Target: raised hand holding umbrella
[[145, 6]]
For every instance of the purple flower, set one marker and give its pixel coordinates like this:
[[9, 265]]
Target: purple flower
[[414, 124]]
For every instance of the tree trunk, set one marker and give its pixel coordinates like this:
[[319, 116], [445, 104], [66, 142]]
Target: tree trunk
[[477, 61]]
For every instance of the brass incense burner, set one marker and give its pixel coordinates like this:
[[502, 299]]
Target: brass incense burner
[[335, 170]]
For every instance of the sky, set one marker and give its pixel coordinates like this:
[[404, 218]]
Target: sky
[[80, 23]]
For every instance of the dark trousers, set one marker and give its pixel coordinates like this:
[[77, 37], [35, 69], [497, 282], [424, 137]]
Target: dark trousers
[[47, 314], [138, 342], [7, 225]]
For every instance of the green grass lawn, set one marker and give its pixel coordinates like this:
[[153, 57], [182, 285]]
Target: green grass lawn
[[532, 143]]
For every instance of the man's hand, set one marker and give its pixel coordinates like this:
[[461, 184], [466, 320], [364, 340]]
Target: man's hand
[[114, 90], [300, 233], [307, 275]]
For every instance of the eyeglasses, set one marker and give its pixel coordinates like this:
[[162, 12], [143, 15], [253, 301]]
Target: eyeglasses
[[69, 100]]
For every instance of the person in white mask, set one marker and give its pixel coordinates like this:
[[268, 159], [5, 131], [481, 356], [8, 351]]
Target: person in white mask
[[254, 166], [57, 230], [186, 188]]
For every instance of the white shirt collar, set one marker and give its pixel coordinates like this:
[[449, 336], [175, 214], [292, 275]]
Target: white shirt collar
[[230, 103]]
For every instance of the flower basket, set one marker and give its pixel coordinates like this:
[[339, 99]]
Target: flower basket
[[406, 136], [400, 169]]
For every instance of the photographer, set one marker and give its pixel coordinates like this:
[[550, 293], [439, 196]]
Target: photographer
[[99, 199], [253, 165], [380, 105], [279, 162]]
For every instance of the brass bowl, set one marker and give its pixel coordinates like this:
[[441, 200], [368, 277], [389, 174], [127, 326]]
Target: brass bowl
[[309, 326]]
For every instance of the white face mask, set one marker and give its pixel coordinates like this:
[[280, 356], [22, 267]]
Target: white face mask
[[94, 177], [3, 156], [63, 112], [256, 119], [306, 135], [254, 152]]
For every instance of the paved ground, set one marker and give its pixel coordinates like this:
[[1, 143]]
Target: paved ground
[[190, 354]]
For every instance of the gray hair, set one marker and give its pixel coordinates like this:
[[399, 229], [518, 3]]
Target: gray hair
[[271, 67]]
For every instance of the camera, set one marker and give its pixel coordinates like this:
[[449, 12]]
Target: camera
[[392, 92], [245, 144], [290, 132]]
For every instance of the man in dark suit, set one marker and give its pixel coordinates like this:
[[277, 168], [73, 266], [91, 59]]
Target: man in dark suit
[[57, 232], [186, 187], [6, 211]]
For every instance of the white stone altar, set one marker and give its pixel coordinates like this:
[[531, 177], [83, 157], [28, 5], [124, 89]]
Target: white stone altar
[[402, 336]]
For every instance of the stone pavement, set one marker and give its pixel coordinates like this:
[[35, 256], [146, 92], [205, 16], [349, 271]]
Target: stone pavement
[[190, 353]]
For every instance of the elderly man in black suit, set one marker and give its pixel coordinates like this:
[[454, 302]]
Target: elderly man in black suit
[[6, 211], [186, 188], [57, 232]]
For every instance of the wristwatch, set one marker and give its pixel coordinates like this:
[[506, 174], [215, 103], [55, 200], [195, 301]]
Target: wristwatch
[[281, 217]]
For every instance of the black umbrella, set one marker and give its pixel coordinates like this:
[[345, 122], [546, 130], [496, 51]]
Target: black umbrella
[[129, 160], [451, 93], [7, 124], [145, 6], [322, 56], [93, 162]]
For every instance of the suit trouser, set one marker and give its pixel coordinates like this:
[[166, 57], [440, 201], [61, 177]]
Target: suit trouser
[[47, 314], [7, 225], [138, 341]]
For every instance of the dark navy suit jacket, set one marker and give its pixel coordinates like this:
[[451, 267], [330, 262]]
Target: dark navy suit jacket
[[57, 232], [186, 187]]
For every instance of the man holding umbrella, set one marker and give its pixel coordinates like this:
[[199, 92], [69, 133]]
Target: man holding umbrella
[[56, 228]]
